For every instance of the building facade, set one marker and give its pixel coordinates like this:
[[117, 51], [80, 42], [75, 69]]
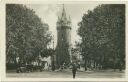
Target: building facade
[[63, 49]]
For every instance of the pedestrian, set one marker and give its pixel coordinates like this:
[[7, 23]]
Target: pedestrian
[[74, 69]]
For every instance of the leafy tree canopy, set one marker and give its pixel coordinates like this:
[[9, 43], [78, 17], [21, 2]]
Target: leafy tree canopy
[[102, 32], [27, 35]]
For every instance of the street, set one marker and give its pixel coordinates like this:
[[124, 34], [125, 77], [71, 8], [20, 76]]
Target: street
[[68, 74]]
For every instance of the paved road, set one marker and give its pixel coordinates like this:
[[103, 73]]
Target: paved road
[[68, 74]]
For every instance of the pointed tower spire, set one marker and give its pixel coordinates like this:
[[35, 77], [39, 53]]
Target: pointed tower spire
[[63, 17], [63, 20], [63, 48]]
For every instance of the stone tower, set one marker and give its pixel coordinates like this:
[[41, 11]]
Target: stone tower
[[63, 49]]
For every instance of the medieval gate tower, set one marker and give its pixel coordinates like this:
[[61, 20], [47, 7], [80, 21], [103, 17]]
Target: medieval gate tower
[[63, 49]]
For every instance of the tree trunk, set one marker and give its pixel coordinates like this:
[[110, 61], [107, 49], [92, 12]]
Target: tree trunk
[[85, 65]]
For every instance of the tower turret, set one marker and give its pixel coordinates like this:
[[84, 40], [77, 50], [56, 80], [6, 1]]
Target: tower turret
[[63, 49], [63, 20]]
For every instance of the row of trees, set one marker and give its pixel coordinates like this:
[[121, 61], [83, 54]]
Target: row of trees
[[26, 35], [102, 33]]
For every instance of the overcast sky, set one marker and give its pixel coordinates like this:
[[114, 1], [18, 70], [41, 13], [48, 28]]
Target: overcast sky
[[49, 14]]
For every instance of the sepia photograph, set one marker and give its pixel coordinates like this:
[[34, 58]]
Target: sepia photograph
[[65, 40]]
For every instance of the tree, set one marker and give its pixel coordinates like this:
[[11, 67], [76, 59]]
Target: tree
[[26, 35], [103, 36]]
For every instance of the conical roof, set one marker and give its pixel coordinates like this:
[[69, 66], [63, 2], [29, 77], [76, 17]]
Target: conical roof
[[63, 16], [63, 20]]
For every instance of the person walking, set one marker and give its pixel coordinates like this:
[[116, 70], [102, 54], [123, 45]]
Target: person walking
[[74, 69]]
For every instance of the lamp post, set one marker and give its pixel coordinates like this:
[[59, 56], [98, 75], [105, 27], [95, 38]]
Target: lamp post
[[52, 57]]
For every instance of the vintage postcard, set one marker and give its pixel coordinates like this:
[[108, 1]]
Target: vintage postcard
[[63, 41]]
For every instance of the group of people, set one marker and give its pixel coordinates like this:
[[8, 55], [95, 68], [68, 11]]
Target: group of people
[[30, 67], [33, 66]]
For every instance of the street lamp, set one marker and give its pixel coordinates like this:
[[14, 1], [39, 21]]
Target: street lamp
[[52, 57]]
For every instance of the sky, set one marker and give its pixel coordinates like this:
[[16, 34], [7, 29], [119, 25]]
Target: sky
[[49, 14]]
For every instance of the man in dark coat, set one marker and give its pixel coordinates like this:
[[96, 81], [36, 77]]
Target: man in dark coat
[[74, 69]]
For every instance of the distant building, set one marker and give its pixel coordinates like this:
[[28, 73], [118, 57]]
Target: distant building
[[63, 49]]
